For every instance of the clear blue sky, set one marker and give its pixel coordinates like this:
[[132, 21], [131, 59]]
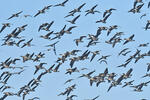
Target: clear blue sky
[[53, 84]]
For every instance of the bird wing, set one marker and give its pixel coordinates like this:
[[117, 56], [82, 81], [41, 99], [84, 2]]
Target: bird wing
[[104, 14], [148, 4], [129, 71], [81, 6], [92, 57], [75, 18], [109, 88], [105, 18], [2, 28], [65, 2], [36, 14], [94, 7]]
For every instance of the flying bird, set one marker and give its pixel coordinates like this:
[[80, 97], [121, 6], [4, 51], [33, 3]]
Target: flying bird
[[129, 39], [61, 4], [4, 26], [74, 19], [92, 11], [15, 15]]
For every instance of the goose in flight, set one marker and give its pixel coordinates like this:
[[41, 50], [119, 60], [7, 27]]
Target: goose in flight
[[61, 4], [77, 9], [92, 11], [104, 19], [109, 11], [73, 20], [15, 15], [28, 43], [4, 26], [129, 39]]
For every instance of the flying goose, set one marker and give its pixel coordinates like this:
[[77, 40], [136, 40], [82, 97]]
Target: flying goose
[[108, 11], [129, 39], [15, 15], [4, 26], [91, 11], [61, 4], [73, 20]]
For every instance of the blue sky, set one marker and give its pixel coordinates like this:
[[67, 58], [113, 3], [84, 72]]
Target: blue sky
[[53, 84]]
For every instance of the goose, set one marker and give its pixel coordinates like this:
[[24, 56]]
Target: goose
[[39, 12], [109, 11], [111, 28], [122, 51], [73, 20], [91, 11], [77, 41], [77, 9], [128, 83], [129, 39], [4, 26], [15, 15], [94, 54], [61, 4], [28, 43], [104, 19], [38, 67]]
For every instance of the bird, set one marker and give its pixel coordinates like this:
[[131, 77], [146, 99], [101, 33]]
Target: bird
[[69, 80], [27, 16], [108, 11], [73, 20], [48, 26], [4, 26], [77, 41], [68, 31], [128, 83], [39, 12], [104, 19], [42, 26], [71, 70], [103, 58], [47, 35], [124, 54], [15, 15], [28, 43], [77, 9], [143, 45], [94, 54], [128, 74], [57, 67], [129, 39], [111, 28], [87, 75], [17, 44], [61, 4], [122, 51], [92, 11], [38, 67]]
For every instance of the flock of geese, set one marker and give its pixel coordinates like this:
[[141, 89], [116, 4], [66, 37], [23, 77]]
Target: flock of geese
[[115, 37]]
